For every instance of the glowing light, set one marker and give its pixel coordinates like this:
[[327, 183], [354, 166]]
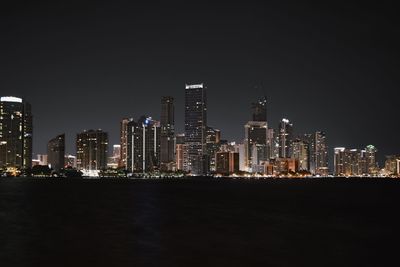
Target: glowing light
[[11, 99], [194, 86]]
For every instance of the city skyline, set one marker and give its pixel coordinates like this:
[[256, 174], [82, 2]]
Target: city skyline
[[323, 68]]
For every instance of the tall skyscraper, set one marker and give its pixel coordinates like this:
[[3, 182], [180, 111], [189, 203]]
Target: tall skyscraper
[[15, 133], [300, 153], [167, 124], [91, 150], [321, 154], [195, 127], [143, 145], [256, 138], [285, 138], [124, 142], [259, 109], [213, 139], [181, 156], [56, 152], [339, 161], [370, 157]]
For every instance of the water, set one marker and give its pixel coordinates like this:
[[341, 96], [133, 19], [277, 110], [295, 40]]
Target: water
[[199, 223]]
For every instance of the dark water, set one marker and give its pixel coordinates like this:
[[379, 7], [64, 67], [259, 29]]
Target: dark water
[[199, 223]]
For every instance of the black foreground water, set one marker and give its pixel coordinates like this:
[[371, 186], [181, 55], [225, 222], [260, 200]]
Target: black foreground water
[[319, 222]]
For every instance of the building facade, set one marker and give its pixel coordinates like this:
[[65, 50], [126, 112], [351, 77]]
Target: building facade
[[92, 150], [167, 136], [195, 128], [56, 152], [285, 135], [16, 133]]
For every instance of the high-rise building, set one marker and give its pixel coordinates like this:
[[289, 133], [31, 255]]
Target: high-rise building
[[321, 154], [56, 152], [124, 142], [15, 133], [259, 109], [285, 135], [115, 159], [70, 161], [339, 161], [91, 150], [143, 145], [227, 162], [195, 127], [354, 162], [370, 158], [213, 140], [300, 153], [167, 124], [181, 156], [256, 138]]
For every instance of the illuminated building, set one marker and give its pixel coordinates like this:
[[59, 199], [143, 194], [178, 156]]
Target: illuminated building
[[124, 142], [15, 133], [91, 150], [321, 154], [285, 135], [195, 127], [114, 160], [167, 124], [339, 161], [255, 143], [213, 142], [356, 162], [143, 145], [56, 152], [300, 153], [370, 157], [227, 163]]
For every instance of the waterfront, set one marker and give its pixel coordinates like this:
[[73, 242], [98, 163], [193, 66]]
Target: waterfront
[[288, 222]]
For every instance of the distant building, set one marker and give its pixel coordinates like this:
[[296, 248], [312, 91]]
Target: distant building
[[42, 159], [321, 154], [167, 124], [213, 143], [91, 150], [255, 142], [124, 142], [15, 133], [285, 135], [354, 162], [370, 157], [300, 153], [339, 161], [114, 160], [195, 127], [227, 163], [143, 145], [56, 152]]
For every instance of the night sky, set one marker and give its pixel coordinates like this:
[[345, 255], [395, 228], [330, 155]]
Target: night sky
[[85, 65]]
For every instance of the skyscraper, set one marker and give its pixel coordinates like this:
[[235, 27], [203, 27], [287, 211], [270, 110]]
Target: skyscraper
[[256, 138], [56, 152], [15, 133], [91, 150], [285, 138], [259, 109], [321, 154], [143, 145], [300, 153], [195, 127], [124, 142], [370, 157], [167, 124]]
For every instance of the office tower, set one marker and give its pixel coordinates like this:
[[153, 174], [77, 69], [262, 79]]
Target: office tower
[[43, 159], [256, 135], [370, 158], [321, 154], [115, 159], [339, 161], [181, 155], [15, 133], [167, 124], [124, 142], [143, 145], [195, 127], [259, 110], [310, 140], [56, 152], [285, 135], [300, 153], [227, 162], [91, 150], [213, 142]]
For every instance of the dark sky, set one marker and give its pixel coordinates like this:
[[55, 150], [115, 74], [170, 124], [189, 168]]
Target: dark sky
[[82, 65]]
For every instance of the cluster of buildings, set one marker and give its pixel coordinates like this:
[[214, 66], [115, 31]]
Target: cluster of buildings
[[153, 146]]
